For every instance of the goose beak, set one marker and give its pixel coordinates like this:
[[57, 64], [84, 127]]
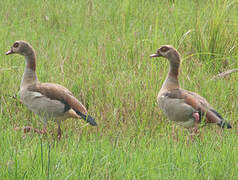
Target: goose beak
[[155, 55], [9, 52]]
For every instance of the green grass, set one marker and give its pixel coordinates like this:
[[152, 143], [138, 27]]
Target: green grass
[[100, 51]]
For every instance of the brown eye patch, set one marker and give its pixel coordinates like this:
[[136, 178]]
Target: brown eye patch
[[15, 45], [164, 49]]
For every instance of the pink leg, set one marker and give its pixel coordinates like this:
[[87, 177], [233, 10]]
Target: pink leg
[[194, 130], [59, 132], [196, 122]]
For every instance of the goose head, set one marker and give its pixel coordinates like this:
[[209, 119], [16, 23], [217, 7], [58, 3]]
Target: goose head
[[168, 52], [20, 47]]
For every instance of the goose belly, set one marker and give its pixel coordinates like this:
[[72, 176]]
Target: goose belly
[[42, 105], [177, 110]]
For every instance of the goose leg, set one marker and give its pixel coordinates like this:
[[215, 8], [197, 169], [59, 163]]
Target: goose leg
[[44, 130], [59, 132], [196, 121], [193, 131]]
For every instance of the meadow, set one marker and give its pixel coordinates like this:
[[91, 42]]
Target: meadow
[[100, 51]]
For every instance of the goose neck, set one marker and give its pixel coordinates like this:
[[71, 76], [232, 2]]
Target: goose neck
[[29, 76]]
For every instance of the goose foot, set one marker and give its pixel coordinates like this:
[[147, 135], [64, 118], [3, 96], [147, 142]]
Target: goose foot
[[27, 129]]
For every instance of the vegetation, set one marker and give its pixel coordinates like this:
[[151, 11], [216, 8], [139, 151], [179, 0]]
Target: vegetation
[[100, 51]]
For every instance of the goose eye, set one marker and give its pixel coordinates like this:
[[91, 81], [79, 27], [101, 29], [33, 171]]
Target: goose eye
[[15, 45], [164, 49]]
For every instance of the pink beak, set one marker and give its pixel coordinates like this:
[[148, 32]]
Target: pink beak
[[157, 54], [9, 52], [154, 55]]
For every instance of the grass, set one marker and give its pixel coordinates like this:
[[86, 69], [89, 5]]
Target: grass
[[100, 51]]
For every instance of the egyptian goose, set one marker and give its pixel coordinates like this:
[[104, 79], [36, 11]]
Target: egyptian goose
[[48, 100], [184, 107]]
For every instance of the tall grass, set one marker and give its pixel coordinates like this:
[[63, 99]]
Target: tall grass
[[100, 51]]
